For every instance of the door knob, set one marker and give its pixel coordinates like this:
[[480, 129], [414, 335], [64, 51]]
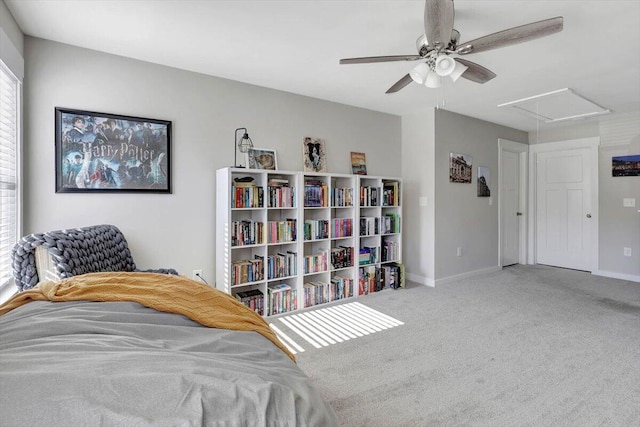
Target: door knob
[[519, 213], [588, 215]]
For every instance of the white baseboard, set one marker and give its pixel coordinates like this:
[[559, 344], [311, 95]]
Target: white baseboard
[[630, 277], [421, 280], [432, 283], [467, 275]]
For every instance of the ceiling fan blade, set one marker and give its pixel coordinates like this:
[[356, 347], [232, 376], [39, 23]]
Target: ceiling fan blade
[[511, 36], [438, 22], [370, 59], [400, 84], [476, 72]]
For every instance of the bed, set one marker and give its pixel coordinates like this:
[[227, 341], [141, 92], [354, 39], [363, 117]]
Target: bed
[[146, 349]]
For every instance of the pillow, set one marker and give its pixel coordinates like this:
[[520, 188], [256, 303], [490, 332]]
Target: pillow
[[45, 266]]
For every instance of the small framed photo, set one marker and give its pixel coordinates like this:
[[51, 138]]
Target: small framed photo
[[484, 181], [262, 158], [314, 156], [358, 163], [625, 165], [101, 152], [460, 168]]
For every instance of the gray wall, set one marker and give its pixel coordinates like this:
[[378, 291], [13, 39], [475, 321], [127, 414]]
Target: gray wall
[[451, 215], [418, 207], [619, 226], [177, 230], [463, 220]]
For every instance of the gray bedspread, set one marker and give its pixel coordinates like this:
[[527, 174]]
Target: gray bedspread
[[121, 364]]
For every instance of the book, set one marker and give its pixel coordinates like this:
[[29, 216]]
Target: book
[[278, 182], [244, 184]]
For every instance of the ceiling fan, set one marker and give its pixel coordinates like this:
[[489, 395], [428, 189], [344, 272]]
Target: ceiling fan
[[441, 40]]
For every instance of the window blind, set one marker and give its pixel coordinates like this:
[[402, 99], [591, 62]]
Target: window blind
[[9, 102]]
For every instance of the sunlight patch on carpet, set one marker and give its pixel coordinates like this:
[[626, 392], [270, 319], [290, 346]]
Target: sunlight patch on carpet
[[331, 325]]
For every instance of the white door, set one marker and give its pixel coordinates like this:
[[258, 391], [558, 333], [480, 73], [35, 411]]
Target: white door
[[509, 206], [563, 208], [512, 187]]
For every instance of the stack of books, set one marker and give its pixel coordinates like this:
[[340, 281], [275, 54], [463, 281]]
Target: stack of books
[[254, 299], [282, 298], [247, 270], [316, 263], [281, 195], [341, 257], [391, 193], [316, 194]]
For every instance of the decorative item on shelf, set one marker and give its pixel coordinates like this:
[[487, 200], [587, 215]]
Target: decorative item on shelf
[[245, 181], [314, 156], [358, 163], [244, 145], [262, 158]]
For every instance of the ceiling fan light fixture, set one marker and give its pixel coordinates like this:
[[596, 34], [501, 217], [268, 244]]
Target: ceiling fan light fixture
[[445, 65], [419, 73], [440, 40], [433, 80], [458, 71]]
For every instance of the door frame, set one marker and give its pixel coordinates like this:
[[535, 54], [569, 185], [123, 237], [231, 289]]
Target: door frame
[[592, 144], [523, 155]]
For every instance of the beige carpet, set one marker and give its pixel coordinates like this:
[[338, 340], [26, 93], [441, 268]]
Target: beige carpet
[[527, 346]]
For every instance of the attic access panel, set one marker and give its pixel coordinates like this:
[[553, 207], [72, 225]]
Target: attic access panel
[[562, 104]]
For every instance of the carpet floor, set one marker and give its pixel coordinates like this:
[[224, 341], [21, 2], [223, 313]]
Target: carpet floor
[[525, 346]]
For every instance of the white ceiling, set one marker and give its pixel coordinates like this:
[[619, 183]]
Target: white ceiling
[[295, 46]]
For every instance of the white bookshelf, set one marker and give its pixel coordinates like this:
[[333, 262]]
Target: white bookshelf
[[333, 214], [302, 234], [379, 230]]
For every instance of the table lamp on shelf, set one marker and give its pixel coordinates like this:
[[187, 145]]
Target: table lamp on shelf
[[244, 145]]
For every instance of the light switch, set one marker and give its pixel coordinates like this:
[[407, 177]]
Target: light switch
[[629, 203], [422, 201]]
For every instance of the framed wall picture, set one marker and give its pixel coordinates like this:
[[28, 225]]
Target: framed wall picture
[[625, 165], [484, 181], [101, 152], [460, 168], [262, 158], [358, 163], [314, 156]]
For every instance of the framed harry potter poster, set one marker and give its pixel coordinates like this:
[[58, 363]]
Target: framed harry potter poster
[[102, 152]]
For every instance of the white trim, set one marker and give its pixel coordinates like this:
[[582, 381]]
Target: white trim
[[523, 153], [537, 115], [421, 280], [591, 143], [8, 290], [629, 277], [467, 275], [11, 57]]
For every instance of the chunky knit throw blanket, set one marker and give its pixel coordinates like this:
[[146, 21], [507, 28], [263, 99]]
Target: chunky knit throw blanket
[[168, 293]]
